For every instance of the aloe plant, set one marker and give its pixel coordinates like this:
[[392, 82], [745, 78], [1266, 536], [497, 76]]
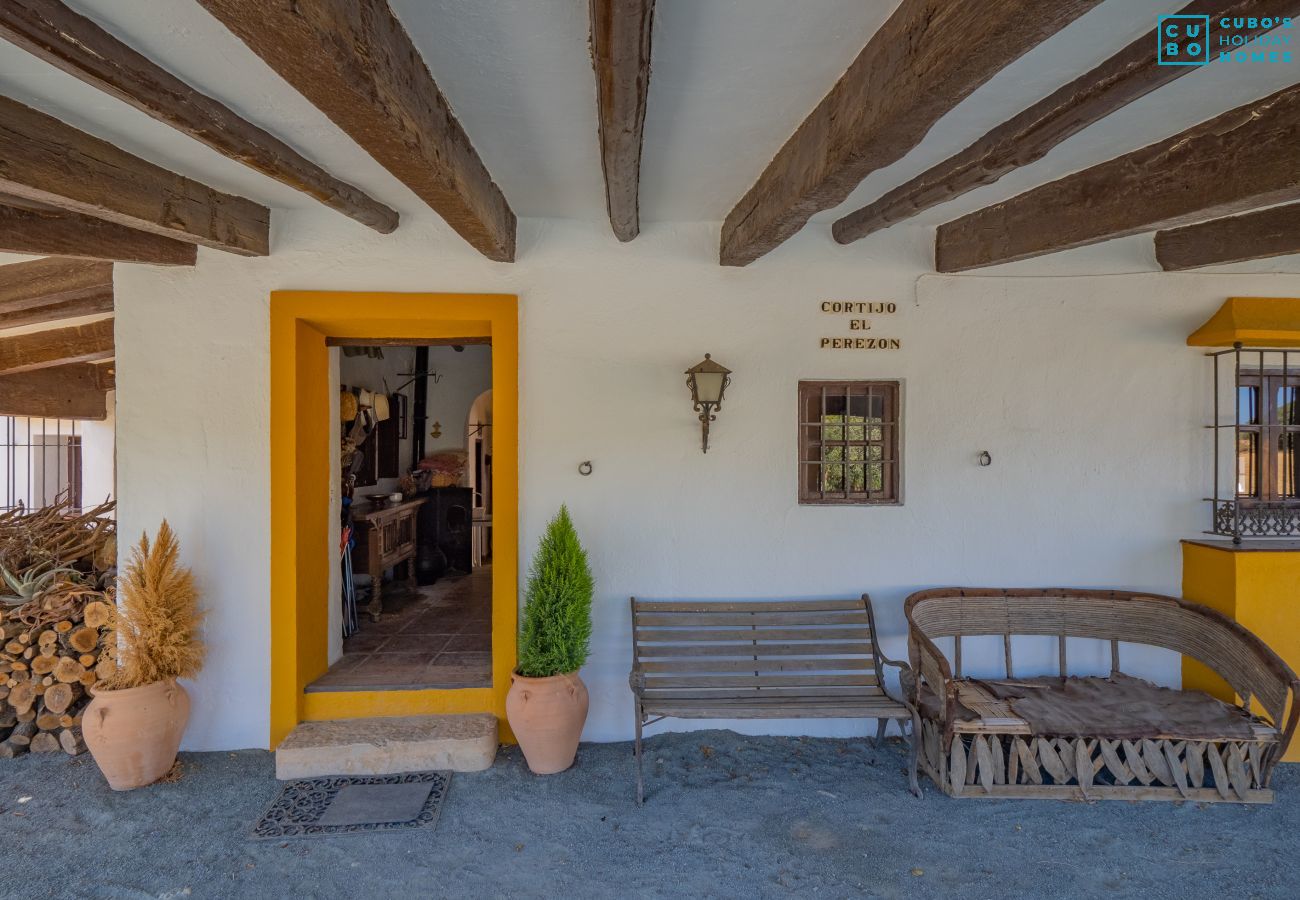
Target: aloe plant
[[29, 584]]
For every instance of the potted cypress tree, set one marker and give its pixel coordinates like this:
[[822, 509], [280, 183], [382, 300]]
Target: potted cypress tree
[[547, 702], [134, 722]]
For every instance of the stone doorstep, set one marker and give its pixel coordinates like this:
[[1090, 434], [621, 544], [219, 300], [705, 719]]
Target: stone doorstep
[[388, 746]]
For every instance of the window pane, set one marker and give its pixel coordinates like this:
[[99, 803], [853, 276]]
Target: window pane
[[1248, 464], [1248, 405], [1286, 404], [847, 442], [1288, 443]]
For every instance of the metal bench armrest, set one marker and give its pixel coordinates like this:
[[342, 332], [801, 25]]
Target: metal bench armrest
[[906, 680]]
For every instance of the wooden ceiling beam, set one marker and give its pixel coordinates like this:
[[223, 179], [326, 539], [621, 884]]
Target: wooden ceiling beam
[[916, 67], [1243, 159], [78, 46], [1026, 138], [95, 304], [51, 162], [61, 392], [1257, 235], [620, 54], [57, 347], [56, 232], [355, 62], [52, 280]]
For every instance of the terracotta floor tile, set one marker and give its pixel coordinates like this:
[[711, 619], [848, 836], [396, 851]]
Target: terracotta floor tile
[[464, 659], [464, 642], [427, 645], [440, 639]]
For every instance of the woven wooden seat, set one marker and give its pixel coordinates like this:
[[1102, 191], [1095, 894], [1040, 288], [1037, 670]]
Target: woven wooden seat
[[973, 744], [790, 659]]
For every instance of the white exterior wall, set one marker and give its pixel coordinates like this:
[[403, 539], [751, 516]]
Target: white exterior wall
[[1081, 388]]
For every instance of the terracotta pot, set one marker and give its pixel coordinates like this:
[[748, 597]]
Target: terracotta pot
[[134, 734], [547, 715]]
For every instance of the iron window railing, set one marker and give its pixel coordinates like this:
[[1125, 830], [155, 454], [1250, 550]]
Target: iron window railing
[[1256, 437], [40, 461]]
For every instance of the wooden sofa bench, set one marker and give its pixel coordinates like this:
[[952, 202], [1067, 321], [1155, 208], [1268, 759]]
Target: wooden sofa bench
[[1100, 737], [758, 660]]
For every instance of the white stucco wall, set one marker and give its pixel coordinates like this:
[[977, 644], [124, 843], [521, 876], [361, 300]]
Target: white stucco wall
[[1081, 388]]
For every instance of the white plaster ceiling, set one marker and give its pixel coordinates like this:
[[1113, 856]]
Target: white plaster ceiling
[[731, 80]]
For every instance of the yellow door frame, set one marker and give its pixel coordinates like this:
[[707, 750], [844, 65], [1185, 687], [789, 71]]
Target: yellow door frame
[[301, 557]]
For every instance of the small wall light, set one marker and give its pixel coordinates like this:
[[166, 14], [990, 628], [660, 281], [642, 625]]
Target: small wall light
[[708, 382], [984, 458], [436, 431]]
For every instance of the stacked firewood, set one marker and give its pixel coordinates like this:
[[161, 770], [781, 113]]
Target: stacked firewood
[[56, 618], [46, 670]]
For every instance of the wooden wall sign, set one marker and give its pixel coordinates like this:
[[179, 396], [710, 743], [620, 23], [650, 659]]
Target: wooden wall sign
[[860, 317]]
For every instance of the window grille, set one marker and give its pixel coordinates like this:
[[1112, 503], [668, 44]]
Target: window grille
[[40, 460], [849, 442], [1256, 428]]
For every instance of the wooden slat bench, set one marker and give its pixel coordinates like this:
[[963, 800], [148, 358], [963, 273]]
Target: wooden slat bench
[[789, 659], [974, 744]]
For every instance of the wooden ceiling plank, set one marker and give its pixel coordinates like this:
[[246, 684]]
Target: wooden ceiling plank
[[353, 60], [61, 392], [95, 304], [916, 67], [56, 347], [1130, 74], [1244, 159], [56, 232], [49, 161], [52, 280], [620, 53], [1257, 235], [80, 47]]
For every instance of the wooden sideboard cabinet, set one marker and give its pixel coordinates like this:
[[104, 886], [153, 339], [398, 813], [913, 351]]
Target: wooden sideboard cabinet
[[385, 540]]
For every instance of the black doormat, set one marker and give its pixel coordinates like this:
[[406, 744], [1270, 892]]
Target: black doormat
[[322, 807]]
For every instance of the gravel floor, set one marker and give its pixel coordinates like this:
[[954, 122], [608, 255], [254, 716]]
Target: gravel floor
[[726, 816]]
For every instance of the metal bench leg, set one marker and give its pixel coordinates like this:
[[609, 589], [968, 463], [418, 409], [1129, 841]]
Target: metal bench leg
[[915, 741], [640, 776], [881, 725]]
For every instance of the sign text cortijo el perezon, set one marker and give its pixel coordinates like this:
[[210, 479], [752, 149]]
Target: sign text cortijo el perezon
[[860, 318]]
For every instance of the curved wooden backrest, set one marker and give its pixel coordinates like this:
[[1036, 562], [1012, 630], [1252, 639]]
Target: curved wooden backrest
[[1240, 658]]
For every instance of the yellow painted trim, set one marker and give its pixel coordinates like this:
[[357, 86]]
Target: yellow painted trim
[[1253, 587], [1254, 321], [300, 509]]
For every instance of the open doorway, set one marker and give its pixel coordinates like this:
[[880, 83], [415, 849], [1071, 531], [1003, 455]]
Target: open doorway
[[307, 330], [415, 599]]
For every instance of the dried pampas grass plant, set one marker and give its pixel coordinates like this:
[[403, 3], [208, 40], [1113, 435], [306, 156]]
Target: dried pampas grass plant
[[157, 616]]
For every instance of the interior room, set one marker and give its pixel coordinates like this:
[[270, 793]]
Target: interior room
[[414, 506]]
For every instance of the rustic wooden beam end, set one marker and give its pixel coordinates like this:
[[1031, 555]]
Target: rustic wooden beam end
[[353, 60], [78, 46], [50, 162], [1130, 74], [1241, 160], [922, 55], [1258, 235], [620, 52], [49, 231], [56, 347], [74, 391]]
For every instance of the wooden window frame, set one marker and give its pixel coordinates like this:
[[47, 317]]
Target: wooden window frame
[[1267, 429], [891, 443]]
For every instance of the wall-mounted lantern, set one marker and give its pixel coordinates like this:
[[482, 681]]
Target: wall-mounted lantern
[[708, 382]]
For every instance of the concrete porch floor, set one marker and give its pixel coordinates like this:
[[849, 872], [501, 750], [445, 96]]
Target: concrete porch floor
[[725, 816]]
